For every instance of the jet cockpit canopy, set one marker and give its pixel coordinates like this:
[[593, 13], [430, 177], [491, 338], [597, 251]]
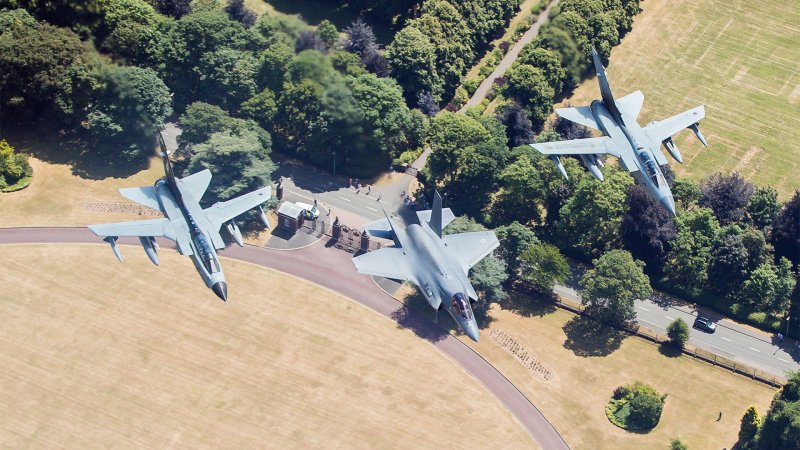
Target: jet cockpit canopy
[[461, 306]]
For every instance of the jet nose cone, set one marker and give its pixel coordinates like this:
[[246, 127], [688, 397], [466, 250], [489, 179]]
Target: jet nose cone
[[221, 289], [668, 203], [472, 332]]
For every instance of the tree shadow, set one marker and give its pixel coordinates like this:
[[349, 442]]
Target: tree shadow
[[589, 337], [529, 303], [89, 158], [665, 300], [670, 350]]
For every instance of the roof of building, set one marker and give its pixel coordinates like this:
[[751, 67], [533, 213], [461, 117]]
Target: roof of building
[[290, 209]]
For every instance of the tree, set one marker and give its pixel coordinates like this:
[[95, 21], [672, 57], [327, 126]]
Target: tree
[[519, 127], [412, 59], [238, 12], [239, 163], [763, 207], [427, 104], [514, 239], [645, 410], [786, 230], [676, 444], [529, 86], [573, 58], [137, 44], [748, 431], [548, 61], [647, 228], [274, 63], [612, 286], [309, 40], [687, 260], [299, 107], [781, 426], [35, 61], [678, 332], [13, 166], [542, 266], [173, 8], [261, 108], [726, 195], [768, 287], [522, 194], [228, 77], [687, 192], [727, 266], [200, 121], [328, 33], [359, 38], [590, 220]]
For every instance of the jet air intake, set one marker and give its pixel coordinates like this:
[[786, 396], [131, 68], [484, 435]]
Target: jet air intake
[[673, 149], [148, 243], [235, 233]]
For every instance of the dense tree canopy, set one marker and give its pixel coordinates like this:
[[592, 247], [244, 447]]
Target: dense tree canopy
[[726, 195], [612, 285], [786, 230], [688, 258], [647, 228]]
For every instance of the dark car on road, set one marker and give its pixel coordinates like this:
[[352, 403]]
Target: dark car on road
[[705, 324]]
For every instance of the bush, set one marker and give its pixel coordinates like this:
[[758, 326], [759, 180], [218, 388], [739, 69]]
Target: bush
[[678, 332], [635, 407], [471, 86], [676, 444]]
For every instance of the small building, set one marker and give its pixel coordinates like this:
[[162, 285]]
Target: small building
[[290, 216]]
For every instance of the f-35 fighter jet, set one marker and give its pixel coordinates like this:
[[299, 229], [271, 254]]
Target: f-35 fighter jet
[[194, 230], [437, 264], [636, 147]]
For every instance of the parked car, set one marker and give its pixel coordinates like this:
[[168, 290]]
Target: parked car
[[309, 211], [705, 324]]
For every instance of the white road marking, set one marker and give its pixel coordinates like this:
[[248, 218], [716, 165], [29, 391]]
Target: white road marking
[[669, 318], [784, 360], [372, 209], [643, 308], [300, 195], [751, 348], [345, 199], [725, 339]]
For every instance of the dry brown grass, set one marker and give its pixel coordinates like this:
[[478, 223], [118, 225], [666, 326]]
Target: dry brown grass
[[101, 355], [739, 58], [59, 197], [575, 398]]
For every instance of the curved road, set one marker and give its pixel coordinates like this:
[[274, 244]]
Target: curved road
[[331, 268]]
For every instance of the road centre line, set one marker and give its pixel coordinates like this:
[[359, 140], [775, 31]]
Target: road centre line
[[372, 209], [345, 199], [751, 348], [643, 308], [784, 360], [725, 339], [651, 323], [669, 318]]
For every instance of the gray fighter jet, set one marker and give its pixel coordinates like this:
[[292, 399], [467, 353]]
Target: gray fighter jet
[[194, 230], [437, 264], [636, 147]]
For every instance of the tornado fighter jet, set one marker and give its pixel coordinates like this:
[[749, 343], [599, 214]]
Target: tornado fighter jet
[[637, 148], [436, 264], [194, 230]]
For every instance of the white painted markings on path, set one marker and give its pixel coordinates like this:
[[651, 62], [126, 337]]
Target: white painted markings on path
[[372, 209], [725, 339], [643, 308], [784, 360], [757, 351], [669, 318], [345, 199]]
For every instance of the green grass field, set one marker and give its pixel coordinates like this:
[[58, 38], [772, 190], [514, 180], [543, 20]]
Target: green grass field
[[739, 58]]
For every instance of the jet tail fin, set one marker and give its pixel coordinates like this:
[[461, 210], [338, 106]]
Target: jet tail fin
[[605, 88], [436, 214]]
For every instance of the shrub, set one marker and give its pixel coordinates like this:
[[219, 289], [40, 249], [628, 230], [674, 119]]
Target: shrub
[[471, 86], [635, 406], [678, 332], [645, 410], [676, 444]]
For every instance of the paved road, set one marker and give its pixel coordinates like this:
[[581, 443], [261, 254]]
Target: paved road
[[509, 58], [731, 340], [332, 269]]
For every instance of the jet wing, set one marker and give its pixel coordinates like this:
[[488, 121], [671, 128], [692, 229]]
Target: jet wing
[[590, 146], [470, 248], [155, 227], [658, 131], [388, 262], [142, 195], [631, 104], [447, 216], [581, 115], [221, 212], [196, 184]]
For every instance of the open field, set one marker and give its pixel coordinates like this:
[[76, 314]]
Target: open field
[[570, 369], [101, 355], [739, 58]]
